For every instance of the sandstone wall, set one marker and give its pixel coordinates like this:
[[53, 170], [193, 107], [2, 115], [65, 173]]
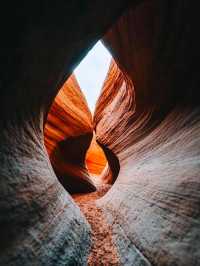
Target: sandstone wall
[[41, 43], [68, 133], [113, 113], [95, 158], [153, 206]]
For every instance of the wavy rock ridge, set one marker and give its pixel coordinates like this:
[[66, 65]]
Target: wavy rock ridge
[[147, 120], [39, 222], [155, 132], [68, 133], [76, 157]]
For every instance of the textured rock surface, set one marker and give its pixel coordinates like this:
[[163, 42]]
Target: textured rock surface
[[41, 44], [154, 204], [68, 133], [103, 250], [95, 158], [112, 118], [151, 213]]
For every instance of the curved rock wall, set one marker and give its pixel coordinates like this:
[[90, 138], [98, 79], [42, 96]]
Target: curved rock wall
[[68, 133], [153, 206], [95, 158], [113, 114], [41, 44]]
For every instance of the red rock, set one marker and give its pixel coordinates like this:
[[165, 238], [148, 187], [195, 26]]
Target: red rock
[[95, 158], [151, 214], [114, 110], [68, 133]]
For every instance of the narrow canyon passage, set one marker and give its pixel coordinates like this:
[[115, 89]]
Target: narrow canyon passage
[[79, 161], [103, 249], [85, 173], [116, 181]]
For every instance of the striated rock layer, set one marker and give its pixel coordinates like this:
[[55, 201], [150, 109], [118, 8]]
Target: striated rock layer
[[68, 133], [150, 118], [147, 121], [113, 113], [41, 44]]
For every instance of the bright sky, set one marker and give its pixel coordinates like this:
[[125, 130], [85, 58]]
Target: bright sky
[[91, 73]]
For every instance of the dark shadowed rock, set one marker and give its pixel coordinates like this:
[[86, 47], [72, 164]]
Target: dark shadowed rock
[[150, 120], [41, 43]]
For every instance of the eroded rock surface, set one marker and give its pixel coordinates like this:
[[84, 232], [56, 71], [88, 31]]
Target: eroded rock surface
[[148, 116], [155, 132], [103, 250], [68, 133], [40, 45], [95, 160]]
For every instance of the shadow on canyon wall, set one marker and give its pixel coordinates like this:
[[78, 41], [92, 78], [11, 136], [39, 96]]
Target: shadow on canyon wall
[[148, 115]]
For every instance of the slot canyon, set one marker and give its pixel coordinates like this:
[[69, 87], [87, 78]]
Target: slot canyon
[[117, 187]]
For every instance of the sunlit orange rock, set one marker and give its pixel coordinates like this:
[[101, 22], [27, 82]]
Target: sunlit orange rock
[[68, 133], [95, 158], [114, 110], [151, 214]]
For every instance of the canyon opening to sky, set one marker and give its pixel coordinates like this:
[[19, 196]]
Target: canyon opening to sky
[[92, 71], [70, 126], [91, 74], [135, 198]]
